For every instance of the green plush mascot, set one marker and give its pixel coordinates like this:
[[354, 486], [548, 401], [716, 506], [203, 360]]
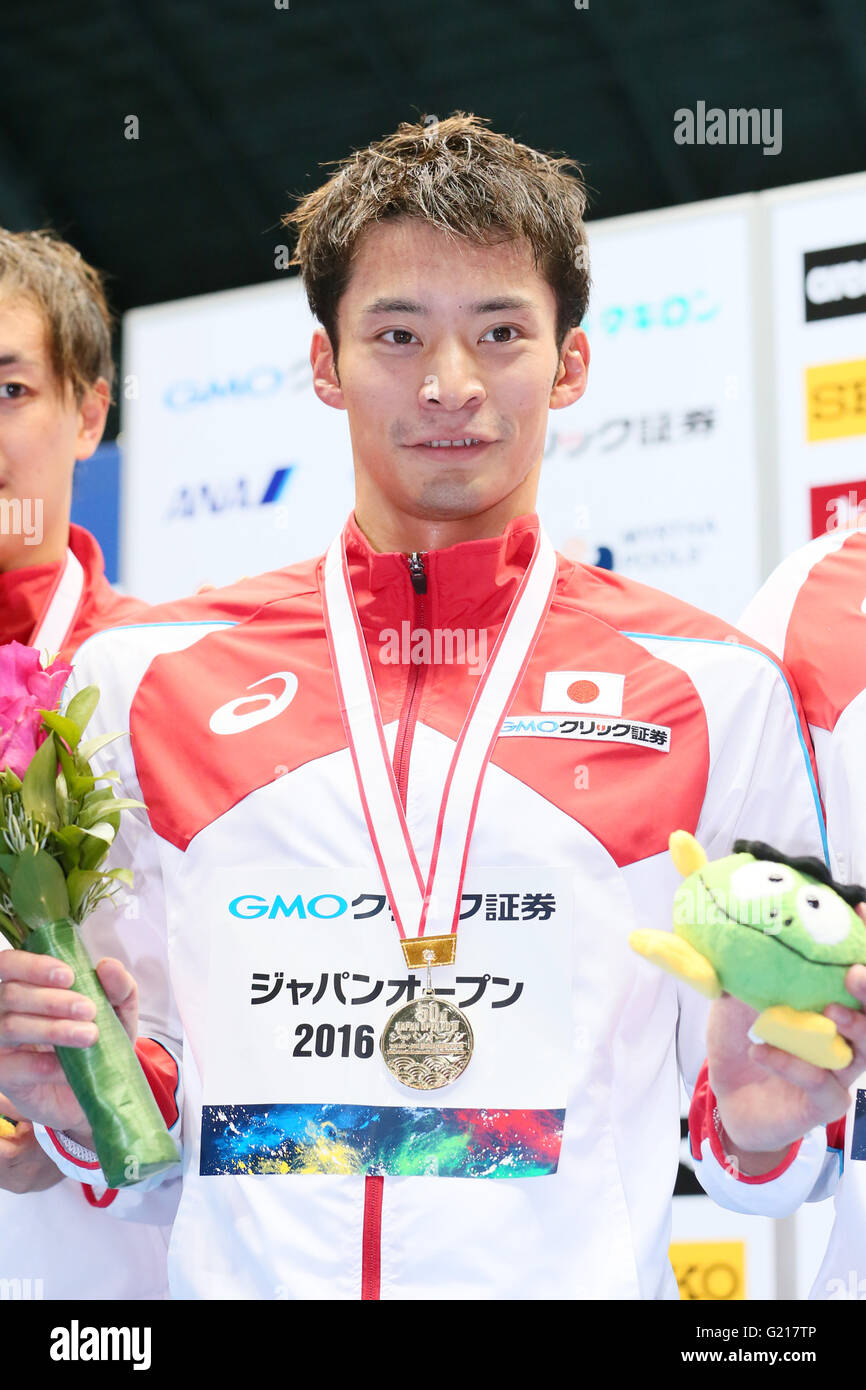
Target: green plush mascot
[[777, 932]]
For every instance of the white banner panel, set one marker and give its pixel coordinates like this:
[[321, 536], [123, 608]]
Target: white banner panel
[[818, 249], [653, 472], [233, 465]]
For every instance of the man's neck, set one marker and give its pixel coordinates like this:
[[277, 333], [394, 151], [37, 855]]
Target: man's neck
[[388, 529], [49, 551]]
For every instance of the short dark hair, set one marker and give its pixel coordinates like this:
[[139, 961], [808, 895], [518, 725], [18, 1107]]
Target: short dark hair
[[456, 175], [70, 296]]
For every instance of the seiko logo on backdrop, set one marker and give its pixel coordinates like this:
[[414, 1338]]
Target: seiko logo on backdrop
[[226, 494], [835, 282], [255, 384]]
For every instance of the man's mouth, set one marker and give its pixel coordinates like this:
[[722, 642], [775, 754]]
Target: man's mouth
[[469, 444]]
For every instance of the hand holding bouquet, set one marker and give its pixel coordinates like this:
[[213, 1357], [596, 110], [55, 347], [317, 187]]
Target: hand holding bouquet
[[56, 827]]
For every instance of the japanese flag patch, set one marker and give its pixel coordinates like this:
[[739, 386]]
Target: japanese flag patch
[[582, 692]]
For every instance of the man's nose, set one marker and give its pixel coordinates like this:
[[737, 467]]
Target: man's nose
[[452, 382]]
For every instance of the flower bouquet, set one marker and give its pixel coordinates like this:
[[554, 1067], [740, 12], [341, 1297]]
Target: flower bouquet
[[56, 827]]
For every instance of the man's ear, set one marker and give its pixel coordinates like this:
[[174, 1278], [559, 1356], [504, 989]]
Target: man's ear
[[571, 376], [92, 413], [326, 381]]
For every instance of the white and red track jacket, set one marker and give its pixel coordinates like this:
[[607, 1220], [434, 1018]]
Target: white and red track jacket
[[812, 612], [56, 607], [546, 1170]]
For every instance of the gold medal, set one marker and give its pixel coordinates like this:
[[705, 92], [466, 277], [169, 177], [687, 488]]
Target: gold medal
[[427, 1043]]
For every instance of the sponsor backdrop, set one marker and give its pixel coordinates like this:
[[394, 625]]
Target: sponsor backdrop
[[233, 465], [676, 469], [238, 467], [654, 473], [818, 250]]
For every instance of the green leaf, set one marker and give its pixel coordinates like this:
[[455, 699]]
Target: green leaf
[[65, 843], [38, 794], [8, 862], [38, 889], [77, 885], [61, 725], [11, 931], [81, 849], [93, 745], [66, 836], [123, 875], [97, 810], [9, 781], [81, 706], [97, 794], [61, 798], [77, 783], [96, 846]]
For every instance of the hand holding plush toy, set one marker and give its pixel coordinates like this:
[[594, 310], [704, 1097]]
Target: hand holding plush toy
[[777, 932]]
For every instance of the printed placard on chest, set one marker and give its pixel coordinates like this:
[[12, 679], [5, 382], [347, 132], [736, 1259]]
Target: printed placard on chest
[[306, 969]]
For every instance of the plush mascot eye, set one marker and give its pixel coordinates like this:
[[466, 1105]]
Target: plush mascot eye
[[823, 913], [760, 881]]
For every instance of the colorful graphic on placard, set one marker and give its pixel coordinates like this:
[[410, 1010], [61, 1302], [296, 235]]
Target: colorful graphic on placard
[[858, 1136], [404, 1141]]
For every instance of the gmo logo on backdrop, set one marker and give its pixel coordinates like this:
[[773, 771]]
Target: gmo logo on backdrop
[[256, 384]]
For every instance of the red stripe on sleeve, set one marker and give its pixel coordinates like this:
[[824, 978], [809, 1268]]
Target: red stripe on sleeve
[[704, 1124], [68, 1156], [836, 1134], [105, 1200], [160, 1069]]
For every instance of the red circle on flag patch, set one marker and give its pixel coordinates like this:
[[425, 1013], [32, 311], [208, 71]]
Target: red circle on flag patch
[[581, 692]]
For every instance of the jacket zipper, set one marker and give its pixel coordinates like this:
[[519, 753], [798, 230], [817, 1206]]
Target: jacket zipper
[[371, 1240], [411, 700]]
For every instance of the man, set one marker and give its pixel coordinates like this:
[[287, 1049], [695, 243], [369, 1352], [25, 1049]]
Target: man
[[391, 891], [811, 612], [55, 389]]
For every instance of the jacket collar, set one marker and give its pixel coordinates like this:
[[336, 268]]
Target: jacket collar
[[25, 592], [469, 585]]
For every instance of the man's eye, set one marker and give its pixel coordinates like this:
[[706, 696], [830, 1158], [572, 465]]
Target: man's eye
[[501, 328], [402, 335], [15, 387]]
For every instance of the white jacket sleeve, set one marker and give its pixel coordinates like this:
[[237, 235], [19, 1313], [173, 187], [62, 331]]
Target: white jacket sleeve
[[761, 787]]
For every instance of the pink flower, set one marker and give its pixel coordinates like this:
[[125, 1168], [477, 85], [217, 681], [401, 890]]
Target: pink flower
[[25, 688]]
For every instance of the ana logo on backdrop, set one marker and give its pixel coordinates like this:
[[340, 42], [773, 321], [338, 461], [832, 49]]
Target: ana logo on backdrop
[[228, 494], [226, 719], [582, 692], [834, 282], [836, 400]]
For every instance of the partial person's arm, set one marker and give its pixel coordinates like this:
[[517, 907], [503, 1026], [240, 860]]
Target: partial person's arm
[[758, 1127], [36, 1010]]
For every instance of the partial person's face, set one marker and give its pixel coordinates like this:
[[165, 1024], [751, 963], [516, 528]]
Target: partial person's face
[[43, 431], [444, 340]]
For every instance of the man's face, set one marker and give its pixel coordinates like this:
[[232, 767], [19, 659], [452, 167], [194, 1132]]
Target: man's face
[[42, 433], [442, 340]]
